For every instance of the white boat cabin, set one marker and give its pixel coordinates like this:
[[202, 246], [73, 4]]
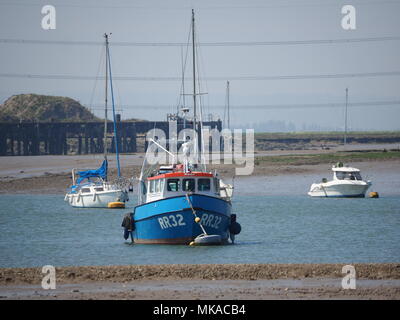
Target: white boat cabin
[[95, 187], [346, 173], [170, 183]]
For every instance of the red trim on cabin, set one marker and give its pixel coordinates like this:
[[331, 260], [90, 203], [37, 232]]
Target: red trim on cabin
[[181, 174]]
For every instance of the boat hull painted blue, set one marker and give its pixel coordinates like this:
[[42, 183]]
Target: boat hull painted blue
[[342, 196], [171, 220]]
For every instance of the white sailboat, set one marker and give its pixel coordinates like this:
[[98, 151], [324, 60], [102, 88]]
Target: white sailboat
[[91, 189]]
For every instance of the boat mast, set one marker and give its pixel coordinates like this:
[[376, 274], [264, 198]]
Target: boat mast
[[227, 97], [106, 99], [113, 112], [345, 118], [194, 74], [195, 126]]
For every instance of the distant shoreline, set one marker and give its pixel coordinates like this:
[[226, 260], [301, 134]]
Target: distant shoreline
[[51, 174]]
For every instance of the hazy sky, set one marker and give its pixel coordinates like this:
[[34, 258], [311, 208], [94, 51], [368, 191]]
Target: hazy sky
[[246, 22]]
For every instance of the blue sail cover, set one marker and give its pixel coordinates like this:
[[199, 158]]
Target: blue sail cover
[[100, 172]]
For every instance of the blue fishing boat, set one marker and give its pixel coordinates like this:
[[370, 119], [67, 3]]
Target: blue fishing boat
[[182, 203]]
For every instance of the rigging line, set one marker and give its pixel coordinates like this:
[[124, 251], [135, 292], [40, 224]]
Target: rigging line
[[201, 63], [201, 105], [120, 103], [182, 88], [113, 110], [204, 44], [199, 90], [186, 57], [219, 78], [184, 68], [95, 82], [179, 97]]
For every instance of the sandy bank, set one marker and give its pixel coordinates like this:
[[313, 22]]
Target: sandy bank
[[203, 271], [188, 282]]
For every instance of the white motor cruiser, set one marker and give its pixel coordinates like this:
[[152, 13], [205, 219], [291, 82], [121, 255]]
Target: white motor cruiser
[[347, 182]]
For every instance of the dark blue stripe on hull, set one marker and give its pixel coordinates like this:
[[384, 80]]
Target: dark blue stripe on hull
[[343, 196], [171, 221]]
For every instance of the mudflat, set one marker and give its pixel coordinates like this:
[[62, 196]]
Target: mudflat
[[215, 281], [52, 174]]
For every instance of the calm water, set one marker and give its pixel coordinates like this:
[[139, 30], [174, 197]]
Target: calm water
[[36, 230]]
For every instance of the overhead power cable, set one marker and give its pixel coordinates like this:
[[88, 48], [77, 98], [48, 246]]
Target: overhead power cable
[[219, 78], [278, 4], [203, 44], [280, 106]]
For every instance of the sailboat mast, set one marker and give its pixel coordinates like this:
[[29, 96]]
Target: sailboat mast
[[194, 73], [227, 93], [113, 112], [106, 99], [345, 118]]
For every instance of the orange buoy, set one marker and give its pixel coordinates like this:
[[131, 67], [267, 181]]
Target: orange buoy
[[374, 194], [116, 205]]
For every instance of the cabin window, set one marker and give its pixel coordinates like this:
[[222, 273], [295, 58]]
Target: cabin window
[[357, 175], [173, 184], [188, 185], [85, 190], [152, 186], [340, 175], [216, 185], [159, 185], [162, 183], [99, 189], [203, 185]]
